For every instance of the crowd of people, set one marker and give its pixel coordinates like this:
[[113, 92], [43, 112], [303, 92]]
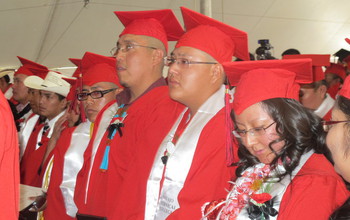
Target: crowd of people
[[215, 139]]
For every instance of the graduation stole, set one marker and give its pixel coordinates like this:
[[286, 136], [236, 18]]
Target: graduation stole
[[115, 125], [180, 129]]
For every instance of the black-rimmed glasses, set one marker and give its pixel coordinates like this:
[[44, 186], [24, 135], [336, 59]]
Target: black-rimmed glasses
[[253, 131], [182, 62], [94, 94], [328, 124], [115, 50]]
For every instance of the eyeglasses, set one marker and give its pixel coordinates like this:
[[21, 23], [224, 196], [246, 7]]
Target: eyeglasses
[[94, 95], [182, 62], [327, 125], [253, 131], [115, 50]]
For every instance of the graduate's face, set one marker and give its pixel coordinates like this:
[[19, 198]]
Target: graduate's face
[[93, 106], [50, 105], [189, 83], [133, 63], [312, 98], [338, 141], [34, 99], [255, 116], [20, 91]]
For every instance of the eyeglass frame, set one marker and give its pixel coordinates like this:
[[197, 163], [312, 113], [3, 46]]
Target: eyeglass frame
[[114, 51], [252, 131], [328, 123], [167, 58], [102, 92]]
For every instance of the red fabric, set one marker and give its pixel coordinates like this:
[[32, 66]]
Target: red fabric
[[9, 164], [219, 40], [55, 204], [26, 64], [336, 69], [160, 24], [206, 181], [32, 159], [345, 89], [149, 119], [315, 193], [328, 116], [318, 60], [97, 68], [333, 91]]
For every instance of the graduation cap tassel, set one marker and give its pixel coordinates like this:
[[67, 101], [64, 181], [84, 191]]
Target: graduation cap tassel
[[104, 163], [82, 111]]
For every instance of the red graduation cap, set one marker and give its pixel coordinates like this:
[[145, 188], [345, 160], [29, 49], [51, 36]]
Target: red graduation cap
[[337, 69], [26, 64], [345, 89], [97, 68], [318, 60], [219, 40], [77, 62], [266, 79], [160, 24]]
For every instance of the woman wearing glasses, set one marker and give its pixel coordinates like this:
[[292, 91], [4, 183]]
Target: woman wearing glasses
[[338, 141], [282, 173]]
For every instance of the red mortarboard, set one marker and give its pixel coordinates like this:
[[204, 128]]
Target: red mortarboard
[[219, 40], [318, 60], [345, 89], [42, 73], [76, 62], [28, 64], [97, 68], [266, 79], [160, 24], [337, 69]]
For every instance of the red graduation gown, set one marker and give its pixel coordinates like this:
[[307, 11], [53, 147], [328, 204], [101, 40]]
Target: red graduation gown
[[9, 164], [55, 204], [32, 159], [315, 192], [149, 118], [206, 181]]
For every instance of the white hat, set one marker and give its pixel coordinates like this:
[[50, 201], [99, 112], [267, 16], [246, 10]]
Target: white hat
[[53, 82]]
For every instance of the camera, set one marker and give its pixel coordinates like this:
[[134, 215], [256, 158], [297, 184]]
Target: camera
[[263, 52]]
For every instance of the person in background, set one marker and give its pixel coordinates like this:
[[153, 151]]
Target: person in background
[[335, 75], [100, 85], [314, 96], [9, 164], [21, 92], [282, 173], [52, 104], [290, 51], [145, 112], [31, 124]]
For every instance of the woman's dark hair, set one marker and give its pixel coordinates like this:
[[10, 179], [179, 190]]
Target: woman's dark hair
[[343, 104], [299, 128]]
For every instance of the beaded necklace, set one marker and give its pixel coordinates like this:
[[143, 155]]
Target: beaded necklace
[[115, 125]]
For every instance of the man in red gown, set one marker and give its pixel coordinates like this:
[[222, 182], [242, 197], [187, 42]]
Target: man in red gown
[[144, 115], [98, 75], [182, 174]]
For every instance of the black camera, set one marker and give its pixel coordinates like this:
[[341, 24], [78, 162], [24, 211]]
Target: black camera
[[263, 52]]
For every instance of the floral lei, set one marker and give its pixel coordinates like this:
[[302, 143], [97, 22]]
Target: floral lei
[[251, 189]]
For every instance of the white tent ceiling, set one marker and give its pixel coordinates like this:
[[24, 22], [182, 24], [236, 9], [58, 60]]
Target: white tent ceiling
[[51, 31]]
